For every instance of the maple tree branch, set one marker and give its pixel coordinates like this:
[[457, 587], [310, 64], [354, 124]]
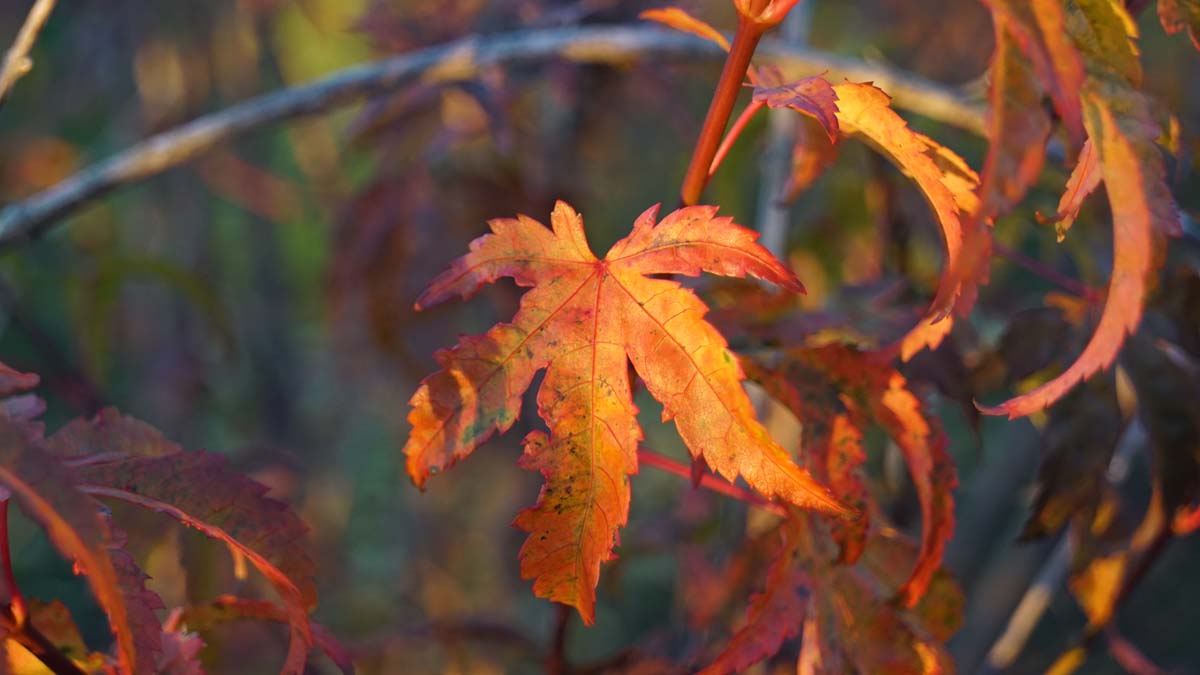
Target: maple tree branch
[[455, 61], [17, 62], [709, 481], [745, 41]]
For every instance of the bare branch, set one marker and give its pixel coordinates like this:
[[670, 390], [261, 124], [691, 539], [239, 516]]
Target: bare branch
[[456, 61], [16, 61]]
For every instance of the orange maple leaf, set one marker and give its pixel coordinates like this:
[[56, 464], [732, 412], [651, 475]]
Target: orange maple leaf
[[1121, 125], [836, 390], [944, 179], [582, 321]]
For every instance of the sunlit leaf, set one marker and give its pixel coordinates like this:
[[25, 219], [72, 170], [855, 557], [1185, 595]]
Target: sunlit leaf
[[584, 320]]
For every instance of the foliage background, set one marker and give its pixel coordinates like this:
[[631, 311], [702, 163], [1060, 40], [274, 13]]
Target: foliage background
[[258, 303]]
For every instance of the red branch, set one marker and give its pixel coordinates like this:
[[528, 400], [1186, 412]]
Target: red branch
[[745, 40]]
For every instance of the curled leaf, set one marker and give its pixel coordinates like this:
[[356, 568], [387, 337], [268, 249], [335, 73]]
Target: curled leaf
[[47, 493], [680, 20], [812, 96], [1083, 181], [117, 457], [944, 179], [1120, 125]]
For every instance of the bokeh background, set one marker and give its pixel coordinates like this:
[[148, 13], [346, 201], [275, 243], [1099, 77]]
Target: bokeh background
[[257, 302]]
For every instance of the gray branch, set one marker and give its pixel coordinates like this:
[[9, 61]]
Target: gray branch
[[16, 61], [456, 61]]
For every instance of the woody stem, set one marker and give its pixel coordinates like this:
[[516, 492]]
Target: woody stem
[[745, 40]]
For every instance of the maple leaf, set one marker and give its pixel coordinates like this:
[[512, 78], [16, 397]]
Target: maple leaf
[[47, 493], [812, 96], [944, 179], [1040, 30], [140, 602], [854, 628], [117, 457], [1083, 181], [583, 321], [848, 624], [775, 615], [680, 20], [1121, 125], [812, 154], [867, 389], [1177, 15], [1018, 126]]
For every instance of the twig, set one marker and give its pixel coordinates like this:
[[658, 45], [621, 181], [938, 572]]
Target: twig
[[556, 660], [1053, 574], [1073, 286], [709, 482], [17, 61], [455, 61]]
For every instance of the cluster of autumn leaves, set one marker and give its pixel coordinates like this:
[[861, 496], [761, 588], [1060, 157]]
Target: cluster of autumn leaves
[[584, 319], [63, 482]]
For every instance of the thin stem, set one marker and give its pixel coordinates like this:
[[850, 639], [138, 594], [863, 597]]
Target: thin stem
[[709, 482], [1073, 286], [14, 615], [16, 61], [10, 593], [734, 131], [556, 661], [745, 41]]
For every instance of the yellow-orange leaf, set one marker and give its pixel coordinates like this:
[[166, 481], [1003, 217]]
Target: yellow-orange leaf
[[1040, 29], [583, 321], [1017, 126], [1083, 181], [1121, 125], [946, 181], [680, 20], [868, 388]]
